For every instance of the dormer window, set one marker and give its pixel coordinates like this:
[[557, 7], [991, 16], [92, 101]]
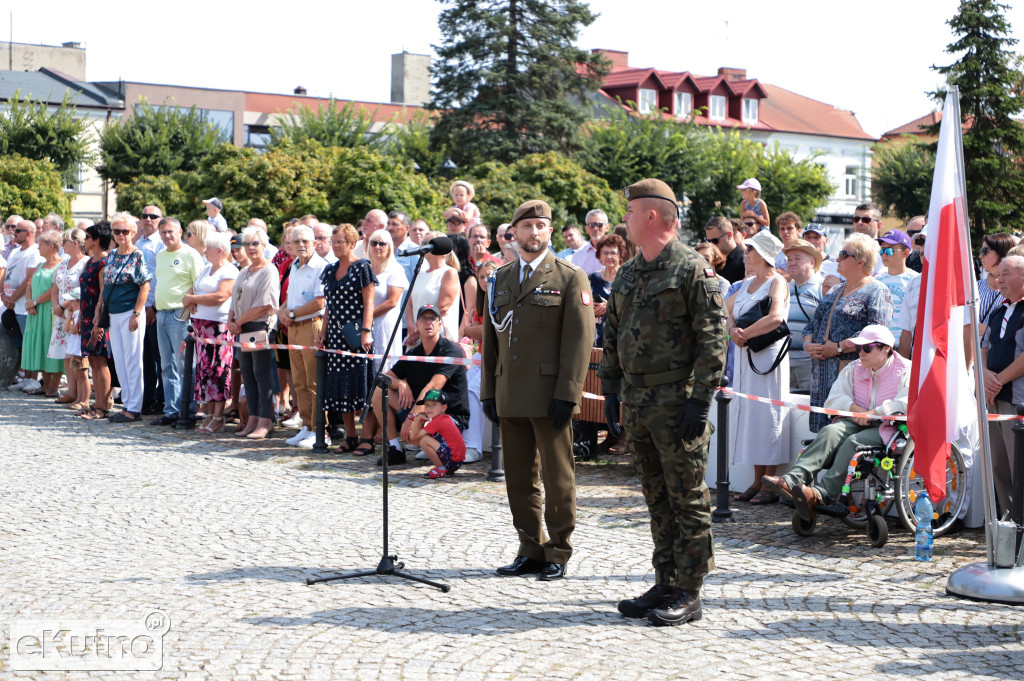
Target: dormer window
[[684, 104], [750, 110], [716, 108], [648, 101]]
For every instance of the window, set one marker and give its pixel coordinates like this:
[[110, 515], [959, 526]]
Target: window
[[257, 136], [850, 180], [750, 110], [717, 108], [684, 103], [648, 101], [224, 121], [73, 179]]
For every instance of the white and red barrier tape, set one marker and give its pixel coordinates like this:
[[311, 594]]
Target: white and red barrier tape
[[464, 361]]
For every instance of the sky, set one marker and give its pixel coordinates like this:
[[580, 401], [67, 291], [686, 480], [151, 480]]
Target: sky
[[872, 57]]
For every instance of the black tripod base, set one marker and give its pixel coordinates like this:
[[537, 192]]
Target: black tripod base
[[386, 566]]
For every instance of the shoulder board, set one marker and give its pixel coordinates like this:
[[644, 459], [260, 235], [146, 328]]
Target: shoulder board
[[567, 265]]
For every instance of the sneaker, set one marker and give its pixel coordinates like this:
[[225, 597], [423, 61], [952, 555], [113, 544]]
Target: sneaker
[[299, 437], [31, 384], [293, 422], [437, 472], [472, 455], [395, 456], [421, 456], [413, 448], [311, 440]]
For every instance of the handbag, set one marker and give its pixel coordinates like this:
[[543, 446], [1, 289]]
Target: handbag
[[253, 337], [102, 314], [350, 332], [759, 343]]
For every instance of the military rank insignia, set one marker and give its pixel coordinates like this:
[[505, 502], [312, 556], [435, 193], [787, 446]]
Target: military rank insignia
[[708, 272]]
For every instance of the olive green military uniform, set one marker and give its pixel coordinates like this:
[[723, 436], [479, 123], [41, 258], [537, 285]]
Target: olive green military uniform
[[665, 342], [540, 352]]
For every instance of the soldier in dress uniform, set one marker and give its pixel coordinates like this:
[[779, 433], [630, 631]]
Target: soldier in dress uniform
[[664, 351], [536, 347]]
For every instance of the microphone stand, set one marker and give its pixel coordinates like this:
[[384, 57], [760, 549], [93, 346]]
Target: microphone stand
[[388, 564]]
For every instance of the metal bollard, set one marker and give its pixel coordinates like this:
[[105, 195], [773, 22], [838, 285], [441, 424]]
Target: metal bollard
[[497, 472], [722, 512], [321, 422], [187, 383], [1017, 485]]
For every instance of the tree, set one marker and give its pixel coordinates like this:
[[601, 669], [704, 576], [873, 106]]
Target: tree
[[156, 141], [508, 80], [32, 188], [902, 177], [30, 129], [348, 125], [411, 142], [986, 77], [791, 185]]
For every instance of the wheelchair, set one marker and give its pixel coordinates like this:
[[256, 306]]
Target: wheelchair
[[881, 479]]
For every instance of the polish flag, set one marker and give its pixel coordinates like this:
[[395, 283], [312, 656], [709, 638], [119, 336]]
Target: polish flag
[[941, 396]]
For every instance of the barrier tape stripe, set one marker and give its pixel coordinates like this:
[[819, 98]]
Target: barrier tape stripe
[[475, 362]]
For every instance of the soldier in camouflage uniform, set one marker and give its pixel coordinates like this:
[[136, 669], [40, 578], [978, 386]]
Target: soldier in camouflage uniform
[[664, 352]]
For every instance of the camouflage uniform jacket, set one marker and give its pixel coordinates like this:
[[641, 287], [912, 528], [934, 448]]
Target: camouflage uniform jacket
[[665, 338]]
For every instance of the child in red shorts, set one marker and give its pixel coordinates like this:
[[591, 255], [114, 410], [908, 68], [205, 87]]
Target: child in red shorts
[[436, 432]]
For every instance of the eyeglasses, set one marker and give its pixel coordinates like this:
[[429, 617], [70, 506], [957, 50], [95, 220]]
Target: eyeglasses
[[150, 216], [595, 225], [430, 320], [188, 234], [19, 231], [508, 237], [379, 244], [321, 238], [868, 347], [843, 255], [119, 232], [251, 244], [985, 250], [866, 219], [453, 221], [714, 240], [913, 234], [749, 224], [604, 253], [888, 250]]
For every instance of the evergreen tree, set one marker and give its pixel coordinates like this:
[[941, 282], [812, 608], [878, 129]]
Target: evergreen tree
[[509, 81], [987, 77], [30, 129]]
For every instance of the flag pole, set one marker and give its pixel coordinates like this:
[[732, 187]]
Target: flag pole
[[981, 581], [984, 458]]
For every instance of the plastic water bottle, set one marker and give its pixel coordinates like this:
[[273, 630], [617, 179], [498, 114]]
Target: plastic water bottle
[[924, 535]]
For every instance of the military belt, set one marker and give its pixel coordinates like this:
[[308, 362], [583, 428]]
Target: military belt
[[651, 380]]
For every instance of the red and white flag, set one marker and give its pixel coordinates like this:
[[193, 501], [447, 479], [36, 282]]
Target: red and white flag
[[941, 396]]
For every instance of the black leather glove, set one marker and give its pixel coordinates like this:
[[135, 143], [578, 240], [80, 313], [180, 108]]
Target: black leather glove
[[612, 403], [490, 408], [560, 412], [695, 418]]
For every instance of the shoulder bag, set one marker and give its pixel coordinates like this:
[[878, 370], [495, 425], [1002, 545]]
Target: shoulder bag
[[759, 343]]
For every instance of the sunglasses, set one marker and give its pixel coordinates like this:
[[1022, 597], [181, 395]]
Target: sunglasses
[[750, 224], [985, 250], [119, 232], [508, 237], [150, 216], [251, 244], [843, 255], [379, 244], [888, 250], [453, 221], [19, 231], [714, 240], [867, 220], [595, 225], [868, 347]]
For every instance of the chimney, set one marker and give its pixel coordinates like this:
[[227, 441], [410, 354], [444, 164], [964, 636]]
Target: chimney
[[410, 78], [299, 91], [618, 58], [732, 74]]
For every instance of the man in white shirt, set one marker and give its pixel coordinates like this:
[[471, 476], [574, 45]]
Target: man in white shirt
[[817, 237], [303, 316], [150, 244], [322, 243], [213, 216], [586, 257], [418, 231]]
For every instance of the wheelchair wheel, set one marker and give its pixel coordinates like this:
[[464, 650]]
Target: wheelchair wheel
[[878, 531], [909, 484], [803, 528], [864, 490]]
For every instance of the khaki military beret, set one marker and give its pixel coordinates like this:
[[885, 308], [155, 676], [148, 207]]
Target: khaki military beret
[[531, 209], [649, 189]]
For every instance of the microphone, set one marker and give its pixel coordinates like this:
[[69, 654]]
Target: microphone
[[441, 245]]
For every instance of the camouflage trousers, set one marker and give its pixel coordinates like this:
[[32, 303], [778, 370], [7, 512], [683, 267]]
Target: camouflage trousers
[[671, 472]]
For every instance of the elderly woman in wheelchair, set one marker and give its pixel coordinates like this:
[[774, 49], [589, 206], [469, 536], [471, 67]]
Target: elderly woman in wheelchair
[[878, 382]]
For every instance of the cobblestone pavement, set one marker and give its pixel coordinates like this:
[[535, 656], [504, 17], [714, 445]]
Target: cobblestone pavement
[[99, 520]]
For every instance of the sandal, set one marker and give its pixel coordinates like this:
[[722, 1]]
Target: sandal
[[210, 429], [747, 495], [763, 498], [359, 451], [94, 415], [124, 417], [349, 446]]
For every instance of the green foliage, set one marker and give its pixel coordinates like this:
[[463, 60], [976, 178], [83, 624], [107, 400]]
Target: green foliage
[[348, 125], [155, 141], [800, 186], [411, 142], [32, 188], [987, 75], [31, 130], [508, 79], [902, 177]]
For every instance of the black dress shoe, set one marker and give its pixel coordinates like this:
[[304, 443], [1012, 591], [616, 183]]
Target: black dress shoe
[[522, 566], [681, 606], [164, 421], [551, 572], [395, 456], [641, 606]]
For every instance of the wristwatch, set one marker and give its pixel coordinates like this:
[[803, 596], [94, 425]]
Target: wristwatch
[[136, 313], [365, 330], [291, 314]]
